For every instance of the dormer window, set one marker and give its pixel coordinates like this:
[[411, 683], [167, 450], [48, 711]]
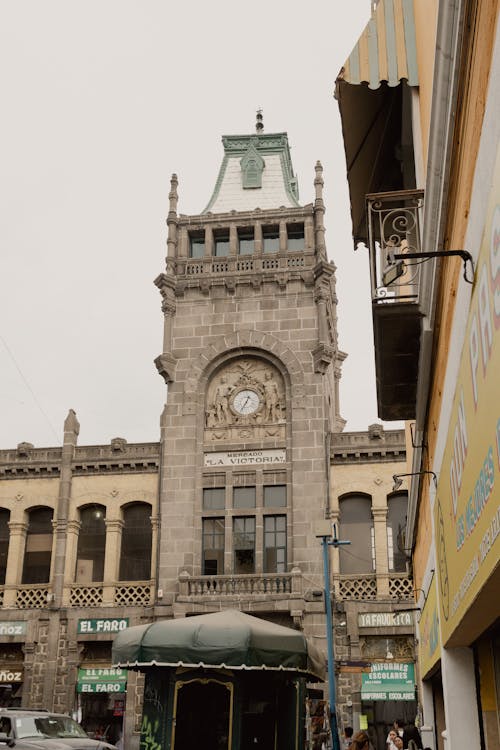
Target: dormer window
[[252, 166]]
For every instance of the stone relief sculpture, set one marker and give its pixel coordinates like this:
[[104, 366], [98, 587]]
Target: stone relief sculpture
[[248, 392]]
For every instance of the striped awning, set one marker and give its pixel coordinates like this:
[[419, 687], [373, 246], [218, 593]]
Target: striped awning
[[386, 50]]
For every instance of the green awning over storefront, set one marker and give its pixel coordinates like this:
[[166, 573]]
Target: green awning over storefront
[[389, 681], [222, 639]]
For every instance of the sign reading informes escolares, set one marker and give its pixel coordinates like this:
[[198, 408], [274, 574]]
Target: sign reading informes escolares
[[105, 680], [104, 625], [467, 507], [389, 681]]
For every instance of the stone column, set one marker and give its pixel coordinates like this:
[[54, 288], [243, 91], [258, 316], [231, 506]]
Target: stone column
[[155, 526], [381, 558], [209, 243], [283, 237], [73, 531], [71, 430], [460, 698], [258, 242], [15, 560], [319, 213], [172, 217], [112, 559]]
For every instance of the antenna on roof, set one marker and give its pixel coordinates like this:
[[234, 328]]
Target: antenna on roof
[[259, 125]]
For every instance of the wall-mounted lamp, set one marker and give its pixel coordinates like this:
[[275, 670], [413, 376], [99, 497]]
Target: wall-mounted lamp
[[398, 481]]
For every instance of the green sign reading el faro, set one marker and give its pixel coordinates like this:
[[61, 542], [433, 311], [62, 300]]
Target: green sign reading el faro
[[104, 625]]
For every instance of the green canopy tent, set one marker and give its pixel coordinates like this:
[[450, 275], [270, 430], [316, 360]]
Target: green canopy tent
[[225, 679], [228, 639]]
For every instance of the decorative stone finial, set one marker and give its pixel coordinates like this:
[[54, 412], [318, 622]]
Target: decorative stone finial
[[173, 196], [318, 180], [71, 423], [259, 125]]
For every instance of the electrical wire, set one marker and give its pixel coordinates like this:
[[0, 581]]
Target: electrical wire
[[28, 386]]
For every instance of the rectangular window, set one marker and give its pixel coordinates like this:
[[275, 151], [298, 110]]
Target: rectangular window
[[245, 241], [213, 546], [275, 496], [196, 244], [271, 239], [214, 498], [274, 544], [221, 244], [295, 233], [244, 497], [244, 544]]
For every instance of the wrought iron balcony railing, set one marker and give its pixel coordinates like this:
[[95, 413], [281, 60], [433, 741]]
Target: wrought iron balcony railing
[[394, 230]]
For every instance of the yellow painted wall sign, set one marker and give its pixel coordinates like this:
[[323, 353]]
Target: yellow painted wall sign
[[428, 627], [467, 507]]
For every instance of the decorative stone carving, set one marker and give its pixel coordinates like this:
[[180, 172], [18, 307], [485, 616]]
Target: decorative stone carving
[[246, 400]]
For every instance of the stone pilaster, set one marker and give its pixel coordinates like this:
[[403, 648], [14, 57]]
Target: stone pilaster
[[15, 559], [112, 559], [381, 558]]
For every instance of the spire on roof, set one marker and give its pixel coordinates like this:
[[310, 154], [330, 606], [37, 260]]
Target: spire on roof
[[259, 125]]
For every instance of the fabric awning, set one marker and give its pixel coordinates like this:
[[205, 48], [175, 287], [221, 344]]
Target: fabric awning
[[223, 639], [369, 90], [386, 50]]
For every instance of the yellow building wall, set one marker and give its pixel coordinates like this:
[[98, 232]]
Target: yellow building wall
[[425, 30]]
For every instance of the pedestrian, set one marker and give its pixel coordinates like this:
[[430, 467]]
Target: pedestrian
[[411, 734], [347, 738], [360, 741], [397, 727]]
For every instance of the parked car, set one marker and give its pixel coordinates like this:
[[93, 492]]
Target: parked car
[[29, 729]]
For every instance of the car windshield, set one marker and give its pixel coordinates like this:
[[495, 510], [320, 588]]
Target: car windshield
[[48, 726]]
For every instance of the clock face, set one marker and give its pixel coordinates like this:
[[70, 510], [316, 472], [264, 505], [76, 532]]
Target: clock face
[[246, 402]]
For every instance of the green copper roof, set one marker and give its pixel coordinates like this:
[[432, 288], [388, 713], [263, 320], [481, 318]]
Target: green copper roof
[[256, 171]]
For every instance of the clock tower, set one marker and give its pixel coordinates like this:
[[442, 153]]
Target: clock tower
[[251, 362]]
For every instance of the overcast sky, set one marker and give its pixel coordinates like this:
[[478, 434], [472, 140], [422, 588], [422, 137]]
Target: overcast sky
[[101, 101]]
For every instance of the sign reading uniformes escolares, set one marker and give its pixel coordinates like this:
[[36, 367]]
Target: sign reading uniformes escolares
[[104, 625], [105, 680], [389, 681]]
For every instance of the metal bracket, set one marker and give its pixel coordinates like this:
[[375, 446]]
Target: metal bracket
[[464, 254]]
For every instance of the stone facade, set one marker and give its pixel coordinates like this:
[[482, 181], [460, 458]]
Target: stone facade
[[251, 460]]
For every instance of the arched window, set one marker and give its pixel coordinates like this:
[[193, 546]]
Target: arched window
[[91, 544], [4, 542], [38, 551], [397, 506], [135, 560], [356, 526]]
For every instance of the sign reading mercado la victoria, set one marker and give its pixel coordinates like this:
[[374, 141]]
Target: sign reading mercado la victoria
[[245, 458], [467, 508]]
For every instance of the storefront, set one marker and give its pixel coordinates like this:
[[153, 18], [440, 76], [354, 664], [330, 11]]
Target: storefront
[[12, 637], [101, 689], [223, 681], [467, 509], [387, 693]]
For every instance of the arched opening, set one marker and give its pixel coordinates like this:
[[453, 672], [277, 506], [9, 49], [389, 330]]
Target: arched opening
[[397, 508], [91, 544], [4, 542], [356, 525], [38, 550], [135, 558]]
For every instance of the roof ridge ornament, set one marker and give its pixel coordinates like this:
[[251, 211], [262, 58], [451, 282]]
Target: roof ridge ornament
[[259, 125]]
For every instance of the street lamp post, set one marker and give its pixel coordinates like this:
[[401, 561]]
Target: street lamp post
[[329, 539]]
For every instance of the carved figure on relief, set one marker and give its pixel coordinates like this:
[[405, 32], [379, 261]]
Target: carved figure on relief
[[247, 393]]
